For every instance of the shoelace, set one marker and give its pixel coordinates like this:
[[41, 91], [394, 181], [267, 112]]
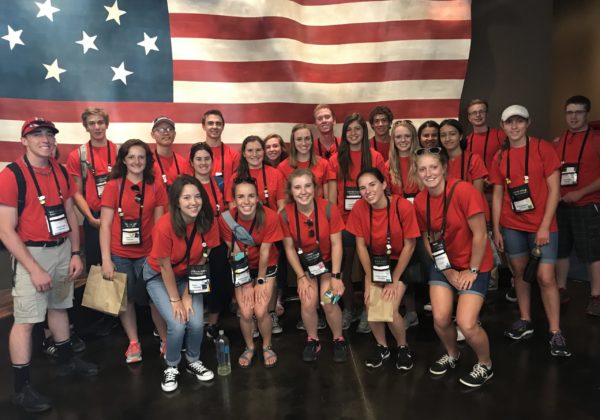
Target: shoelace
[[558, 340], [479, 371], [171, 373], [446, 359], [197, 366]]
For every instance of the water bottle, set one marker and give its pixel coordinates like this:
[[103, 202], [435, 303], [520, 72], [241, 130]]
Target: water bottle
[[223, 360]]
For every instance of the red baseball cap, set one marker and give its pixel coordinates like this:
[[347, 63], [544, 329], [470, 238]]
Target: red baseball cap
[[34, 123]]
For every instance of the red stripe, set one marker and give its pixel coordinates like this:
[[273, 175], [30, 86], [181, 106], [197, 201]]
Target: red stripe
[[70, 111], [240, 28], [299, 71], [328, 2]]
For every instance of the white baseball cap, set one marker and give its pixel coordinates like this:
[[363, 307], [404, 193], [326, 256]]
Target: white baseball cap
[[515, 111]]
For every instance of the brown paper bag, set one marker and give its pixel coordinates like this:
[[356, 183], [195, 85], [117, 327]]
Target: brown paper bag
[[379, 309], [109, 297]]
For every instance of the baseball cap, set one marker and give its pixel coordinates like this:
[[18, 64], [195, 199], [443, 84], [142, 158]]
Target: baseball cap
[[34, 123], [515, 111], [162, 119]]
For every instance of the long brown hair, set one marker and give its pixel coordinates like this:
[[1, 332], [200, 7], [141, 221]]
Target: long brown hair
[[260, 215], [312, 160], [120, 170], [243, 168], [205, 217], [344, 160]]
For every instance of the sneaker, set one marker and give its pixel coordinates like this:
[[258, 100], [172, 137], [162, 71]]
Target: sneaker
[[441, 366], [340, 353], [133, 353], [411, 319], [31, 401], [300, 326], [593, 307], [312, 348], [519, 330], [212, 331], [404, 358], [427, 307], [381, 355], [563, 295], [322, 323], [478, 376], [155, 333], [459, 335], [276, 328], [558, 345], [363, 324], [202, 373], [511, 295], [347, 319], [169, 379], [49, 347], [255, 332], [77, 343], [77, 367]]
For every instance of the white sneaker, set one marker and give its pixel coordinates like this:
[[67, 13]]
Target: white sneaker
[[411, 319], [169, 379], [276, 328], [427, 307], [200, 371], [459, 334]]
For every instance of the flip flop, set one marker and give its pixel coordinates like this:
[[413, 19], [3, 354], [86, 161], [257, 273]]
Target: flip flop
[[248, 356], [269, 354]]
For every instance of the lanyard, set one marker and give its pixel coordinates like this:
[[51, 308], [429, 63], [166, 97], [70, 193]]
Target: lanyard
[[388, 243], [93, 166], [485, 144], [120, 210], [328, 151], [446, 203], [580, 150], [299, 240], [464, 176], [162, 171], [250, 232], [41, 197], [214, 193], [265, 190], [526, 177], [222, 159]]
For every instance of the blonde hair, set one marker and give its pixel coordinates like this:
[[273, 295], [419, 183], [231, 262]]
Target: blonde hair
[[394, 156]]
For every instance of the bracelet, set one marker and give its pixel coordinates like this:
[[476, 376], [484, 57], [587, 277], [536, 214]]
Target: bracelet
[[302, 276], [176, 300], [73, 253]]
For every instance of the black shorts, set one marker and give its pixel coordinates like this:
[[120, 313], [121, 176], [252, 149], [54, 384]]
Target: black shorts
[[271, 272], [579, 228]]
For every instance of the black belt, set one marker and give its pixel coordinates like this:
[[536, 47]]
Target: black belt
[[46, 244]]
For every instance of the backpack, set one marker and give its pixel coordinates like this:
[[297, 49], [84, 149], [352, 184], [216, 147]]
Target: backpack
[[84, 164]]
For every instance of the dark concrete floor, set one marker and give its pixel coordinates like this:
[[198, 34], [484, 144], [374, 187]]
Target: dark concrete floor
[[528, 382]]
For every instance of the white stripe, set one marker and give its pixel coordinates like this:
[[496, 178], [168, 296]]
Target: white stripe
[[361, 12], [290, 49]]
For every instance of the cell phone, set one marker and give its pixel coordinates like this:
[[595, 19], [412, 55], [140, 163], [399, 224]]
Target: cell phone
[[329, 297]]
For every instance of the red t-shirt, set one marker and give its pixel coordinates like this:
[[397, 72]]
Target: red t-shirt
[[165, 243], [476, 144], [322, 151], [32, 224], [589, 166], [359, 223], [170, 168], [333, 175], [226, 166], [327, 227], [543, 161], [383, 148], [465, 202], [275, 185], [214, 196], [155, 196], [100, 155], [409, 187], [468, 167], [319, 171], [270, 232]]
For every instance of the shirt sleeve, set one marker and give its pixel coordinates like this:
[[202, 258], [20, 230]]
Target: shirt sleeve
[[332, 169], [495, 175], [336, 223], [110, 194], [74, 163], [9, 191], [549, 158], [162, 244], [354, 225], [213, 239], [224, 230], [273, 231], [161, 195]]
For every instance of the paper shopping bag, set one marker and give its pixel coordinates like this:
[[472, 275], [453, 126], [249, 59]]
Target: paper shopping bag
[[107, 296], [379, 309]]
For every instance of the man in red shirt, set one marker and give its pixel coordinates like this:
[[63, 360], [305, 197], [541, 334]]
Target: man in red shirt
[[484, 140], [380, 119], [39, 227], [167, 164], [578, 213], [327, 143]]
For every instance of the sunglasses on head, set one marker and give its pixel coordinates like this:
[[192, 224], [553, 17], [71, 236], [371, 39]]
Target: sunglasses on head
[[430, 150]]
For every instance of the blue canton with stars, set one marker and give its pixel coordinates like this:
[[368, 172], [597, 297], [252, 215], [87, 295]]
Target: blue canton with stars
[[89, 76]]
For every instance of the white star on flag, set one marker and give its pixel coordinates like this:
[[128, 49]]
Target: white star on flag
[[114, 13], [121, 73], [46, 9], [148, 43], [53, 70], [87, 42], [13, 37]]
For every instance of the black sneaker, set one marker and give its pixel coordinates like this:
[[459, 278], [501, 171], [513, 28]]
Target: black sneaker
[[381, 355], [212, 331], [441, 366], [558, 345], [169, 379], [201, 372], [519, 330], [340, 353], [77, 343], [309, 354], [478, 376], [49, 347], [404, 358], [77, 367], [31, 401], [511, 295]]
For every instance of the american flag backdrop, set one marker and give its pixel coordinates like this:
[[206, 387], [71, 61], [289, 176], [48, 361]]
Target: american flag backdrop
[[264, 63]]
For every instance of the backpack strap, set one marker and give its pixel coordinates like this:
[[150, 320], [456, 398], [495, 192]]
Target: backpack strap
[[21, 186]]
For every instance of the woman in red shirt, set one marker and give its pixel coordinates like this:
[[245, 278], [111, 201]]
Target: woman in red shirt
[[404, 137], [386, 230], [131, 202], [312, 229], [275, 150], [429, 134], [177, 275], [451, 217], [250, 231]]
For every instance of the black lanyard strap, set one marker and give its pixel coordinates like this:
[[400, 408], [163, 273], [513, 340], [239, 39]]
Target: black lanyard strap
[[42, 197], [587, 132], [485, 144], [388, 240], [299, 238], [93, 165], [120, 210], [265, 189], [444, 214], [214, 193], [162, 171], [222, 160], [464, 175], [526, 177]]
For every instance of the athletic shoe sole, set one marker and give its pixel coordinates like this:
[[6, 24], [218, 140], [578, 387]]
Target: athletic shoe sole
[[524, 335], [472, 385]]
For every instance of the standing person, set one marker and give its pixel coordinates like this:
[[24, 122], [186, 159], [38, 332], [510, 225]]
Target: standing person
[[578, 212], [523, 215], [221, 292], [167, 164], [386, 230], [354, 155], [275, 150], [380, 119], [39, 228], [483, 140], [312, 229], [451, 217], [326, 145], [178, 276], [226, 159], [404, 137], [132, 201], [250, 230], [429, 134]]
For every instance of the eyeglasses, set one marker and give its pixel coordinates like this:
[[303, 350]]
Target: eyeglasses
[[163, 130], [577, 113], [310, 224], [480, 112], [136, 190], [430, 150]]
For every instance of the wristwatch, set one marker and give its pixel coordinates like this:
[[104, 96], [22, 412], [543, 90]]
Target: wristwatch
[[474, 270], [336, 275], [73, 253], [261, 280]]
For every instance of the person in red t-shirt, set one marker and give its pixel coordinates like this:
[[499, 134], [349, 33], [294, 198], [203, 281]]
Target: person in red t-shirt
[[451, 218], [429, 134], [225, 158], [525, 174], [167, 164], [404, 136], [354, 155], [386, 230], [302, 155], [178, 277], [484, 140], [312, 229], [578, 213], [326, 145], [275, 150], [131, 203], [380, 119], [250, 230]]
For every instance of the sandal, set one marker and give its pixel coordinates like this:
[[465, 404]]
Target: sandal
[[269, 355], [247, 356]]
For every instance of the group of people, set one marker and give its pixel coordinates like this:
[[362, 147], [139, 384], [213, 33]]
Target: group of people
[[218, 225]]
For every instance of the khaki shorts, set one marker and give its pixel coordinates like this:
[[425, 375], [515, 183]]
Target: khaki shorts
[[30, 306]]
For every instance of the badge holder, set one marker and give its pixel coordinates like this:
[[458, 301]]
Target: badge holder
[[351, 196], [56, 220], [240, 270], [198, 279], [520, 198], [313, 262], [131, 232], [568, 175], [100, 181], [381, 269], [440, 257]]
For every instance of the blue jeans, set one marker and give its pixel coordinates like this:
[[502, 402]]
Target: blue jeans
[[133, 268], [175, 329]]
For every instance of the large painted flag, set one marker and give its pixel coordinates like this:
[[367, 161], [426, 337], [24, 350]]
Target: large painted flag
[[264, 63]]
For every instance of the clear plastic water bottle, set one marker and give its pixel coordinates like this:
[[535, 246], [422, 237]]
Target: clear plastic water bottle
[[223, 358]]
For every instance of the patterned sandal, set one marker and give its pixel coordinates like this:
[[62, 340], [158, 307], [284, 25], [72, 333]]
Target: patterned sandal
[[269, 355], [247, 357]]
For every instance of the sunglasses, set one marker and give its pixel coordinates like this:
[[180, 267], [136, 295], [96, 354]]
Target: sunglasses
[[327, 154], [429, 150], [310, 224], [137, 191]]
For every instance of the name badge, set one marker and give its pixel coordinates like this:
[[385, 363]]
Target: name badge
[[313, 262], [381, 269], [100, 181], [440, 257], [240, 270], [131, 232], [220, 180], [568, 174], [351, 196], [198, 279], [520, 198], [56, 219]]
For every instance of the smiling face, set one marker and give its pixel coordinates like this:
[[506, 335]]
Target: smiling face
[[254, 154], [246, 199], [303, 189], [576, 117], [402, 139], [477, 115], [303, 141], [40, 143], [516, 128], [354, 135], [96, 126], [381, 125], [324, 120], [135, 160], [164, 134], [213, 126], [371, 189], [430, 171], [450, 137], [190, 202], [202, 163], [273, 149], [429, 137]]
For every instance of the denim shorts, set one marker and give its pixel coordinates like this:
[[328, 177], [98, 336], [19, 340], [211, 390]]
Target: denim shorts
[[133, 268], [479, 286], [518, 243]]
